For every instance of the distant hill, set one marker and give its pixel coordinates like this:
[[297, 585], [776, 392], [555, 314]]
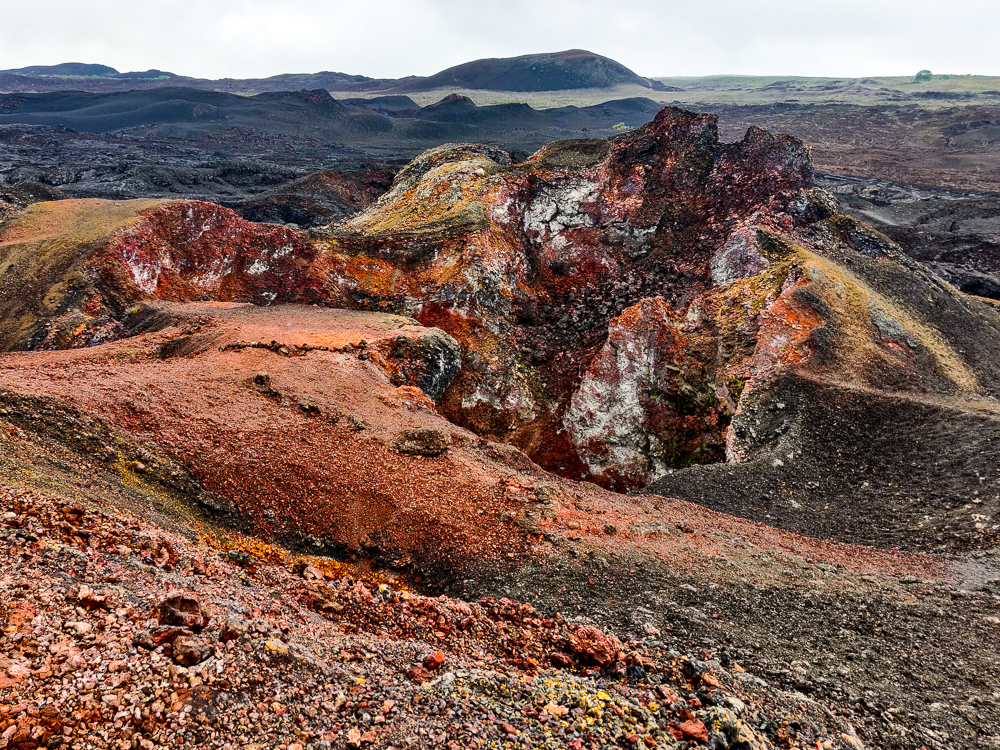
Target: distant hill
[[551, 71], [147, 75], [87, 70], [388, 103], [189, 113], [555, 71], [66, 69]]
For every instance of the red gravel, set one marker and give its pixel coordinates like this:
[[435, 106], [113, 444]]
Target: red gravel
[[381, 667]]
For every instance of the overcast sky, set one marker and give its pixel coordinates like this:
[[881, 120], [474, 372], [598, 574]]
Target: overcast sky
[[393, 38]]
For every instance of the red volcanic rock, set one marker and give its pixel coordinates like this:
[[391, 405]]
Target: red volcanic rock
[[549, 251], [321, 598], [159, 635], [229, 632], [184, 610], [559, 659], [693, 730], [434, 661], [635, 413], [87, 598], [329, 472], [418, 674], [281, 679], [185, 251], [189, 651], [593, 646], [667, 695]]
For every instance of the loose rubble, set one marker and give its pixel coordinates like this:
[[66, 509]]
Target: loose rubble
[[102, 646]]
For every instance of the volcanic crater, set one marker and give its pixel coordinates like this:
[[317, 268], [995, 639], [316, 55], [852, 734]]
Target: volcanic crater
[[508, 376]]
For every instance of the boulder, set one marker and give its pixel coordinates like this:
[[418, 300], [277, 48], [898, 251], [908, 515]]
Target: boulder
[[423, 442], [321, 598], [151, 638], [591, 646], [188, 650], [184, 610]]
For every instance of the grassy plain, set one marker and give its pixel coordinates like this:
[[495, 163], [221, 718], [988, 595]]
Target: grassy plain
[[940, 91]]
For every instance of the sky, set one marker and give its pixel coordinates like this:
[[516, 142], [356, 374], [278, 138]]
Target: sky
[[394, 38]]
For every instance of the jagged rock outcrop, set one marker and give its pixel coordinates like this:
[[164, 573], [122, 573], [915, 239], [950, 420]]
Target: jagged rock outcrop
[[528, 264]]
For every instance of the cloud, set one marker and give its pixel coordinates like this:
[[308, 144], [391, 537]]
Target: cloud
[[392, 38]]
